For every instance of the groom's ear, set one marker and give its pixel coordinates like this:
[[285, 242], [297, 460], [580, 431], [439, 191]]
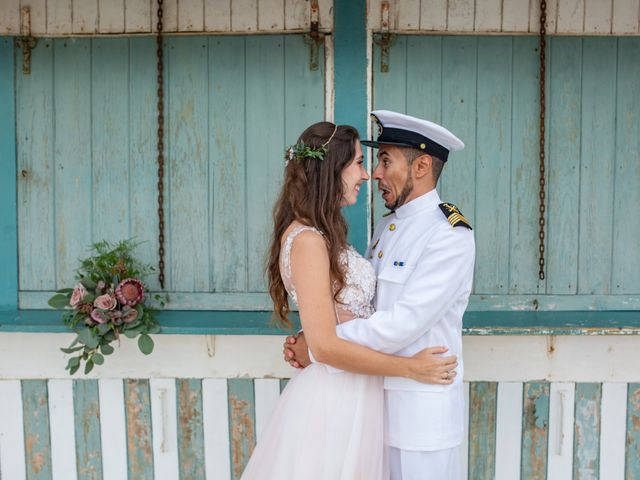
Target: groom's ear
[[421, 166]]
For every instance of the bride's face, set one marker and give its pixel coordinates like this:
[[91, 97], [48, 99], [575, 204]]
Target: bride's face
[[353, 176]]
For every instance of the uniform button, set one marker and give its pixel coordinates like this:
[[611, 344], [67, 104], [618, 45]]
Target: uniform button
[[380, 254], [392, 227]]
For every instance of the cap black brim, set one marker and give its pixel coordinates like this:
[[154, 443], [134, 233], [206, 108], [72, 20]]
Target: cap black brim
[[373, 144]]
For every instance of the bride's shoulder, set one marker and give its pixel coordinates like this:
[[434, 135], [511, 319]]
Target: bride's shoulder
[[302, 234]]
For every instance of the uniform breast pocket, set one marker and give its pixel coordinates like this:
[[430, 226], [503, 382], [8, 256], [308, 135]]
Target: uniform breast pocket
[[395, 274]]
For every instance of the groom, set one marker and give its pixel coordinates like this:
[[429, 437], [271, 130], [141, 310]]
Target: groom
[[423, 253]]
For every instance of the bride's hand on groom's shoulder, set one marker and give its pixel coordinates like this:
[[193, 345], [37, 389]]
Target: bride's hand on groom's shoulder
[[429, 366], [295, 351]]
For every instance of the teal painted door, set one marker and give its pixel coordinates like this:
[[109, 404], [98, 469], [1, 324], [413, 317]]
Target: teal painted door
[[485, 89], [86, 130]]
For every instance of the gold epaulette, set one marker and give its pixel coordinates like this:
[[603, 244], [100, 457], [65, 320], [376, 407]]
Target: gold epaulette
[[456, 219]]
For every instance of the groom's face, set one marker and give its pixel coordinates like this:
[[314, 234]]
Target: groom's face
[[393, 173]]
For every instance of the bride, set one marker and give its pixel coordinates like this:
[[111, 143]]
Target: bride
[[328, 426]]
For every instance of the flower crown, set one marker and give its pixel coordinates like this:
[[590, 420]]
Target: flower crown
[[300, 150]]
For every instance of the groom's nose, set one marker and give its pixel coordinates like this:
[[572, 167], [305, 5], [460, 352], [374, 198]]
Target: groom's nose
[[377, 172]]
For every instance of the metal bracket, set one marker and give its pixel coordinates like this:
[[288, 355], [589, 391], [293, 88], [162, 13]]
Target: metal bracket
[[384, 38], [314, 38], [26, 42]]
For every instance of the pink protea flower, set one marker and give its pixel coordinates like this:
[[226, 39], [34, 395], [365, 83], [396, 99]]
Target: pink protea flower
[[130, 292]]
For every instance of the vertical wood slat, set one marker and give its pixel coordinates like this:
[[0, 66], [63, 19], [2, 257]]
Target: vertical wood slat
[[164, 426], [297, 14], [561, 431], [84, 18], [244, 16], [597, 165], [190, 15], [488, 17], [632, 460], [36, 429], [408, 15], [113, 428], [59, 18], [623, 21], [267, 393], [482, 429], [270, 15], [110, 192], [215, 420], [508, 430], [613, 430], [65, 449], [597, 16], [552, 16], [570, 16], [87, 429], [586, 459], [626, 231], [111, 17], [242, 422], [535, 427], [515, 16], [139, 433], [169, 16], [460, 15], [217, 17], [137, 16], [190, 428], [12, 444], [433, 15], [464, 447]]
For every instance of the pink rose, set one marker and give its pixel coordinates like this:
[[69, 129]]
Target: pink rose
[[99, 317], [129, 315], [105, 302], [78, 294]]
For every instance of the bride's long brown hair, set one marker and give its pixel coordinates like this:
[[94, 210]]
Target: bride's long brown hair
[[312, 194]]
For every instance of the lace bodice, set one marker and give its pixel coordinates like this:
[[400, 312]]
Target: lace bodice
[[360, 279]]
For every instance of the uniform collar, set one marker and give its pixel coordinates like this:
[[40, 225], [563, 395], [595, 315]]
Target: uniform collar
[[424, 202]]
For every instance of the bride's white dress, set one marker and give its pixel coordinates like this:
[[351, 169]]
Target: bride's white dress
[[326, 426]]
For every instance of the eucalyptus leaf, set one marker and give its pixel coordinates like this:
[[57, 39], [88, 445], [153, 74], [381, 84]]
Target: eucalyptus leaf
[[132, 333], [74, 362], [107, 349], [154, 329], [74, 369], [145, 343], [59, 301], [88, 283], [88, 367], [65, 290], [86, 336], [103, 328], [97, 358], [71, 350]]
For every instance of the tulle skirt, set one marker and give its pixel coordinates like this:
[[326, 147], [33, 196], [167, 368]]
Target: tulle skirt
[[326, 426]]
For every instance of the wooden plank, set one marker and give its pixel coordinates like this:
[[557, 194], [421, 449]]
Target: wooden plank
[[265, 126], [217, 16], [586, 448], [112, 428], [142, 130], [36, 429], [137, 16], [325, 8], [72, 154], [215, 421], [12, 445], [535, 427], [597, 165], [561, 408], [613, 430], [270, 15], [241, 423], [59, 18], [267, 393], [482, 417], [87, 428], [597, 16], [464, 447], [563, 190], [525, 138], [460, 15], [408, 15], [632, 459], [459, 96], [164, 414], [36, 224], [515, 15], [191, 16], [38, 17], [111, 17], [244, 16], [493, 167], [85, 16], [626, 231], [482, 429], [169, 16], [63, 435], [488, 18], [552, 16], [188, 164], [433, 15], [389, 93], [424, 77], [139, 436], [508, 430], [625, 17], [190, 428], [227, 163], [10, 20], [110, 139], [570, 16], [297, 14]]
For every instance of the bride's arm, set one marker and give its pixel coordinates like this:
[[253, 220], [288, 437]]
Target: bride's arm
[[311, 274]]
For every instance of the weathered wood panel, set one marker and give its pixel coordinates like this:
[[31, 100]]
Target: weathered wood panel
[[164, 424], [586, 448], [139, 433], [561, 430], [632, 459], [37, 440], [535, 428], [482, 428], [242, 423], [87, 428], [190, 428]]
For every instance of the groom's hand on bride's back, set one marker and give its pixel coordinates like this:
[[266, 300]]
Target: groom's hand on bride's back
[[296, 351]]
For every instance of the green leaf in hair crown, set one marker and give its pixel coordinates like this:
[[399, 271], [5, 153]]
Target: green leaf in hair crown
[[300, 151]]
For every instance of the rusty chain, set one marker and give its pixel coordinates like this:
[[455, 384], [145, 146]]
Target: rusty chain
[[160, 78], [541, 219]]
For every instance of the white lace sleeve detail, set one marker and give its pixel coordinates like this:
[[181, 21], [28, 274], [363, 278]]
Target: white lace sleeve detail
[[285, 258]]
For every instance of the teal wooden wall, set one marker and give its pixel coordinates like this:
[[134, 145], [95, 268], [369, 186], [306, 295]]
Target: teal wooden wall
[[484, 89], [86, 129]]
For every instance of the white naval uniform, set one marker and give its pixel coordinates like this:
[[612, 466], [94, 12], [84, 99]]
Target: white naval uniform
[[419, 304]]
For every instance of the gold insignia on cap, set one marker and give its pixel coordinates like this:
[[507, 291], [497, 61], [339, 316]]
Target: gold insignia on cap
[[380, 127], [454, 216], [423, 146]]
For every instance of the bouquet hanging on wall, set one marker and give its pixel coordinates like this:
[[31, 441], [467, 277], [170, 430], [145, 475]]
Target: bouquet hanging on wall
[[107, 301]]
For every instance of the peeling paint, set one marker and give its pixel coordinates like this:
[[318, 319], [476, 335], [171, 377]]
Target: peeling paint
[[535, 430]]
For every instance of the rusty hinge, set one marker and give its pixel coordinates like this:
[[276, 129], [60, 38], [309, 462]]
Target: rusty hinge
[[314, 38], [384, 38], [26, 42]]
